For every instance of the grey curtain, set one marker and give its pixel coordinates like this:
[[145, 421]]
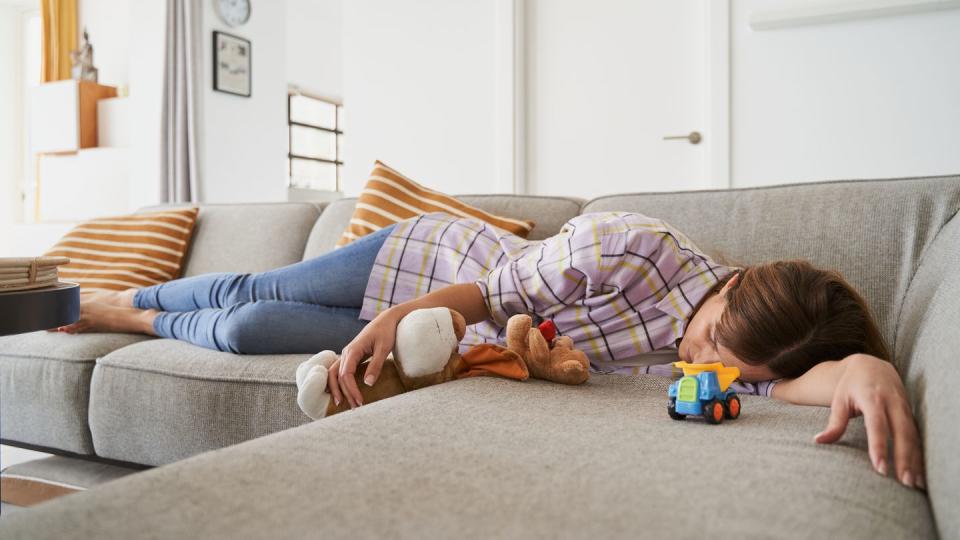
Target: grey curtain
[[180, 102]]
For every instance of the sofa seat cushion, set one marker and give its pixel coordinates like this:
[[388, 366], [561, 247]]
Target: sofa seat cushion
[[45, 386], [164, 400], [484, 457]]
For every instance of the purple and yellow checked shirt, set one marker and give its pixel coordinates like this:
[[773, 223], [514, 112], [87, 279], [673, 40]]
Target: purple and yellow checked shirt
[[621, 285]]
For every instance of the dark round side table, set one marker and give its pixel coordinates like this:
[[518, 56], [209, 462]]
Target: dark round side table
[[39, 309]]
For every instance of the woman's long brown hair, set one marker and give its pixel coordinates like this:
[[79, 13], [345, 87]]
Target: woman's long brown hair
[[790, 316]]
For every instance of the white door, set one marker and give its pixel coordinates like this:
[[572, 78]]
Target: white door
[[831, 91], [607, 80]]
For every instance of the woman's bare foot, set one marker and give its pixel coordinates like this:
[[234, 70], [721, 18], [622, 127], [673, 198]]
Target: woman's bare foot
[[113, 298], [101, 317]]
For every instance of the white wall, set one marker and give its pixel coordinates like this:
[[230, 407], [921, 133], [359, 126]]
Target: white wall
[[10, 120], [314, 51], [108, 23], [243, 140], [145, 72], [861, 99], [419, 91]]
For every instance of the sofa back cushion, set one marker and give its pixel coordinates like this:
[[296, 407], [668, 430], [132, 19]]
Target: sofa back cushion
[[548, 213], [248, 237], [873, 232], [390, 197]]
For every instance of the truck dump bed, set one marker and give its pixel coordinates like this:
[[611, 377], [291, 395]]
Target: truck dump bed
[[725, 375]]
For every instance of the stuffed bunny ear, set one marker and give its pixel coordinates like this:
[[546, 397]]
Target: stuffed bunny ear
[[459, 324], [493, 360]]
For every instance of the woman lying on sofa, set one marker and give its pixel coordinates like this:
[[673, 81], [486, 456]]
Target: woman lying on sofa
[[620, 284]]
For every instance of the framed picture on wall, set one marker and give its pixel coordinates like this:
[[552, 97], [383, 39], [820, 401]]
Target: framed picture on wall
[[231, 64]]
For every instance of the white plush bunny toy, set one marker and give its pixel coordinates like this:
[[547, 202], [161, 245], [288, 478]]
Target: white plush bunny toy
[[425, 353]]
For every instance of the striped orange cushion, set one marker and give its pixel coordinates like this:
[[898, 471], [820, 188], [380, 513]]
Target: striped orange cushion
[[389, 197], [117, 253]]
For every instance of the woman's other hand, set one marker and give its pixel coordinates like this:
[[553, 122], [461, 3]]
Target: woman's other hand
[[872, 387], [376, 341]]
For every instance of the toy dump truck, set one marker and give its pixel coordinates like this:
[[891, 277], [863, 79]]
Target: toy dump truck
[[704, 390]]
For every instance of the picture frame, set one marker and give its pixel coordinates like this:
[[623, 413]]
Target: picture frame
[[232, 64]]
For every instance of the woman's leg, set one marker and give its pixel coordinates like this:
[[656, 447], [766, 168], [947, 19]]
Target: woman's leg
[[264, 327], [338, 278]]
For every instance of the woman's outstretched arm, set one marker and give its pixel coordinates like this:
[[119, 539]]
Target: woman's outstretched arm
[[376, 340], [867, 385]]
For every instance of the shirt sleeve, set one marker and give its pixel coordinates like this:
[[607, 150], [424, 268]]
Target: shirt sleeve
[[593, 260], [562, 270], [541, 281], [763, 388]]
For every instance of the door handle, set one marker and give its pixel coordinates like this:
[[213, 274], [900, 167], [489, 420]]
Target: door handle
[[693, 137]]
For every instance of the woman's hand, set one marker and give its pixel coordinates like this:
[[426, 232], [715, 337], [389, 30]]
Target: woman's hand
[[872, 387], [376, 341]]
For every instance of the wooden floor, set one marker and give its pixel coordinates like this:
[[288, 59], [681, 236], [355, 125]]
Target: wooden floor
[[11, 455]]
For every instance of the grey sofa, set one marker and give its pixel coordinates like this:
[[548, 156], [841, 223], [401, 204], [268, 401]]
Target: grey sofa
[[486, 457]]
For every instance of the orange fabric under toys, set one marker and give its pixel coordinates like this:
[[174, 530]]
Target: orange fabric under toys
[[492, 360]]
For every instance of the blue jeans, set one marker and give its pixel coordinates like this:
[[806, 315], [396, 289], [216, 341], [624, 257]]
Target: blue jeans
[[302, 308]]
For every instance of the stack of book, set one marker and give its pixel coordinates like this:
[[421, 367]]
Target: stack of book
[[17, 274]]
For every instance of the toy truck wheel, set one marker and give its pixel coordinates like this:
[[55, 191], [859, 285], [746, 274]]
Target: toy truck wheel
[[732, 407], [672, 410], [713, 412]]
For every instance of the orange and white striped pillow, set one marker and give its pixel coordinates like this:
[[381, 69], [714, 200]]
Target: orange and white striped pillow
[[116, 253], [389, 197]]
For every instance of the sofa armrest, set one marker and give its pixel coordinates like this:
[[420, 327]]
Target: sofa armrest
[[928, 355]]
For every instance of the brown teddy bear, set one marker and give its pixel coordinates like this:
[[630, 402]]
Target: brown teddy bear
[[425, 353], [547, 356]]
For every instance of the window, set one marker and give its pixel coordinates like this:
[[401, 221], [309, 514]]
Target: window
[[315, 137]]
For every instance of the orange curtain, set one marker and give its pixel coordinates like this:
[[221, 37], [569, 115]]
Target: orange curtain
[[59, 21]]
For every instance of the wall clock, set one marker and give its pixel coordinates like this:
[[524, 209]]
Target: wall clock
[[233, 12]]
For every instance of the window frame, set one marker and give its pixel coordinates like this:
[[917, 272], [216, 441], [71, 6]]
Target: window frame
[[337, 132]]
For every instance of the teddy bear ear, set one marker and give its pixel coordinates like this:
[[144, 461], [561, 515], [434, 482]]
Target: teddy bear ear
[[520, 322], [518, 327]]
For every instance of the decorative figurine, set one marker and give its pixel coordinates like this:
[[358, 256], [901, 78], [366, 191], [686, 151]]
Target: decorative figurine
[[82, 61]]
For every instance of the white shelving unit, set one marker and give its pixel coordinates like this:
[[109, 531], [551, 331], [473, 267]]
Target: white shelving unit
[[80, 133]]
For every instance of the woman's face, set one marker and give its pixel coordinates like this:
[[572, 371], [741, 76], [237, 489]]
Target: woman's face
[[699, 344]]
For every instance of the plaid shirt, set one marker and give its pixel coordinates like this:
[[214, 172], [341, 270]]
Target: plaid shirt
[[621, 285]]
